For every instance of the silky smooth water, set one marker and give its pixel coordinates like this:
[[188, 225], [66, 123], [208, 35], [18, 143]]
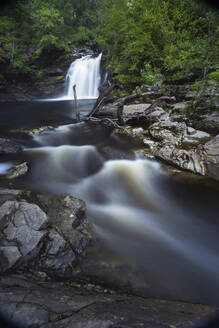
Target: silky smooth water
[[84, 73], [168, 230]]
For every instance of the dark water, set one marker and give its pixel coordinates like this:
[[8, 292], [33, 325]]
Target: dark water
[[167, 228], [26, 114]]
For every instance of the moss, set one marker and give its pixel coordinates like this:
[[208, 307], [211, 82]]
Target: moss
[[195, 86], [213, 76], [60, 77], [39, 74]]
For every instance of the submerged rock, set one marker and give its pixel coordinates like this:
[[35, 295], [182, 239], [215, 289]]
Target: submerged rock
[[17, 171], [8, 146]]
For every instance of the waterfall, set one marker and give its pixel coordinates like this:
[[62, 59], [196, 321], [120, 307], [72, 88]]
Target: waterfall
[[85, 74]]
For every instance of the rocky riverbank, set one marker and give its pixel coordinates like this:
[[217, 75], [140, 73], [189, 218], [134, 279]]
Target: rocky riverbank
[[44, 242], [162, 129], [53, 270]]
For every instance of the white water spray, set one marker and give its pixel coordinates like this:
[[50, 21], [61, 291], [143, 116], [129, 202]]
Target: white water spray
[[85, 74]]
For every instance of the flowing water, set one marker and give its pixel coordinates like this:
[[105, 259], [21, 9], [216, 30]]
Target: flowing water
[[85, 74], [167, 229]]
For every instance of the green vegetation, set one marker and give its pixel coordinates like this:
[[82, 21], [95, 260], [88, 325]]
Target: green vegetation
[[143, 42]]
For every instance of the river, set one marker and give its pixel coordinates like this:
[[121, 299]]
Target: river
[[157, 231], [165, 225]]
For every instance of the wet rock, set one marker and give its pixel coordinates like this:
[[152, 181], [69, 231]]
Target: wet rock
[[58, 258], [17, 171], [179, 106], [157, 115], [138, 133], [109, 111], [22, 227], [164, 135], [69, 236], [135, 109], [191, 131], [53, 243], [144, 113], [185, 159], [10, 194], [193, 136], [211, 157], [57, 305], [167, 131], [9, 147], [150, 143], [208, 123], [111, 152], [175, 127]]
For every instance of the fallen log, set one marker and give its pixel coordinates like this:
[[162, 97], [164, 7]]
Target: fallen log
[[101, 99]]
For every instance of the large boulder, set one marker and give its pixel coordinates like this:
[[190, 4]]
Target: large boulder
[[22, 231], [185, 159], [46, 232], [68, 236], [208, 123], [195, 137]]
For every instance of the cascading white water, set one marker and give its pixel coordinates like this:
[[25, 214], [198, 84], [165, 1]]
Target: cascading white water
[[85, 74]]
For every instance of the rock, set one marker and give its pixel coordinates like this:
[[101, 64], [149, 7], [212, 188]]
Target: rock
[[191, 131], [111, 152], [68, 237], [139, 109], [17, 171], [9, 147], [177, 107], [109, 111], [167, 131], [164, 135], [185, 159], [31, 303], [22, 228], [175, 127], [150, 143], [179, 91], [192, 136], [157, 115], [9, 255], [209, 123], [10, 194], [138, 133], [58, 258], [211, 157]]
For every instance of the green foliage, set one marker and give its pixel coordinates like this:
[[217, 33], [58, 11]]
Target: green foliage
[[214, 76], [19, 65], [149, 75], [140, 39]]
